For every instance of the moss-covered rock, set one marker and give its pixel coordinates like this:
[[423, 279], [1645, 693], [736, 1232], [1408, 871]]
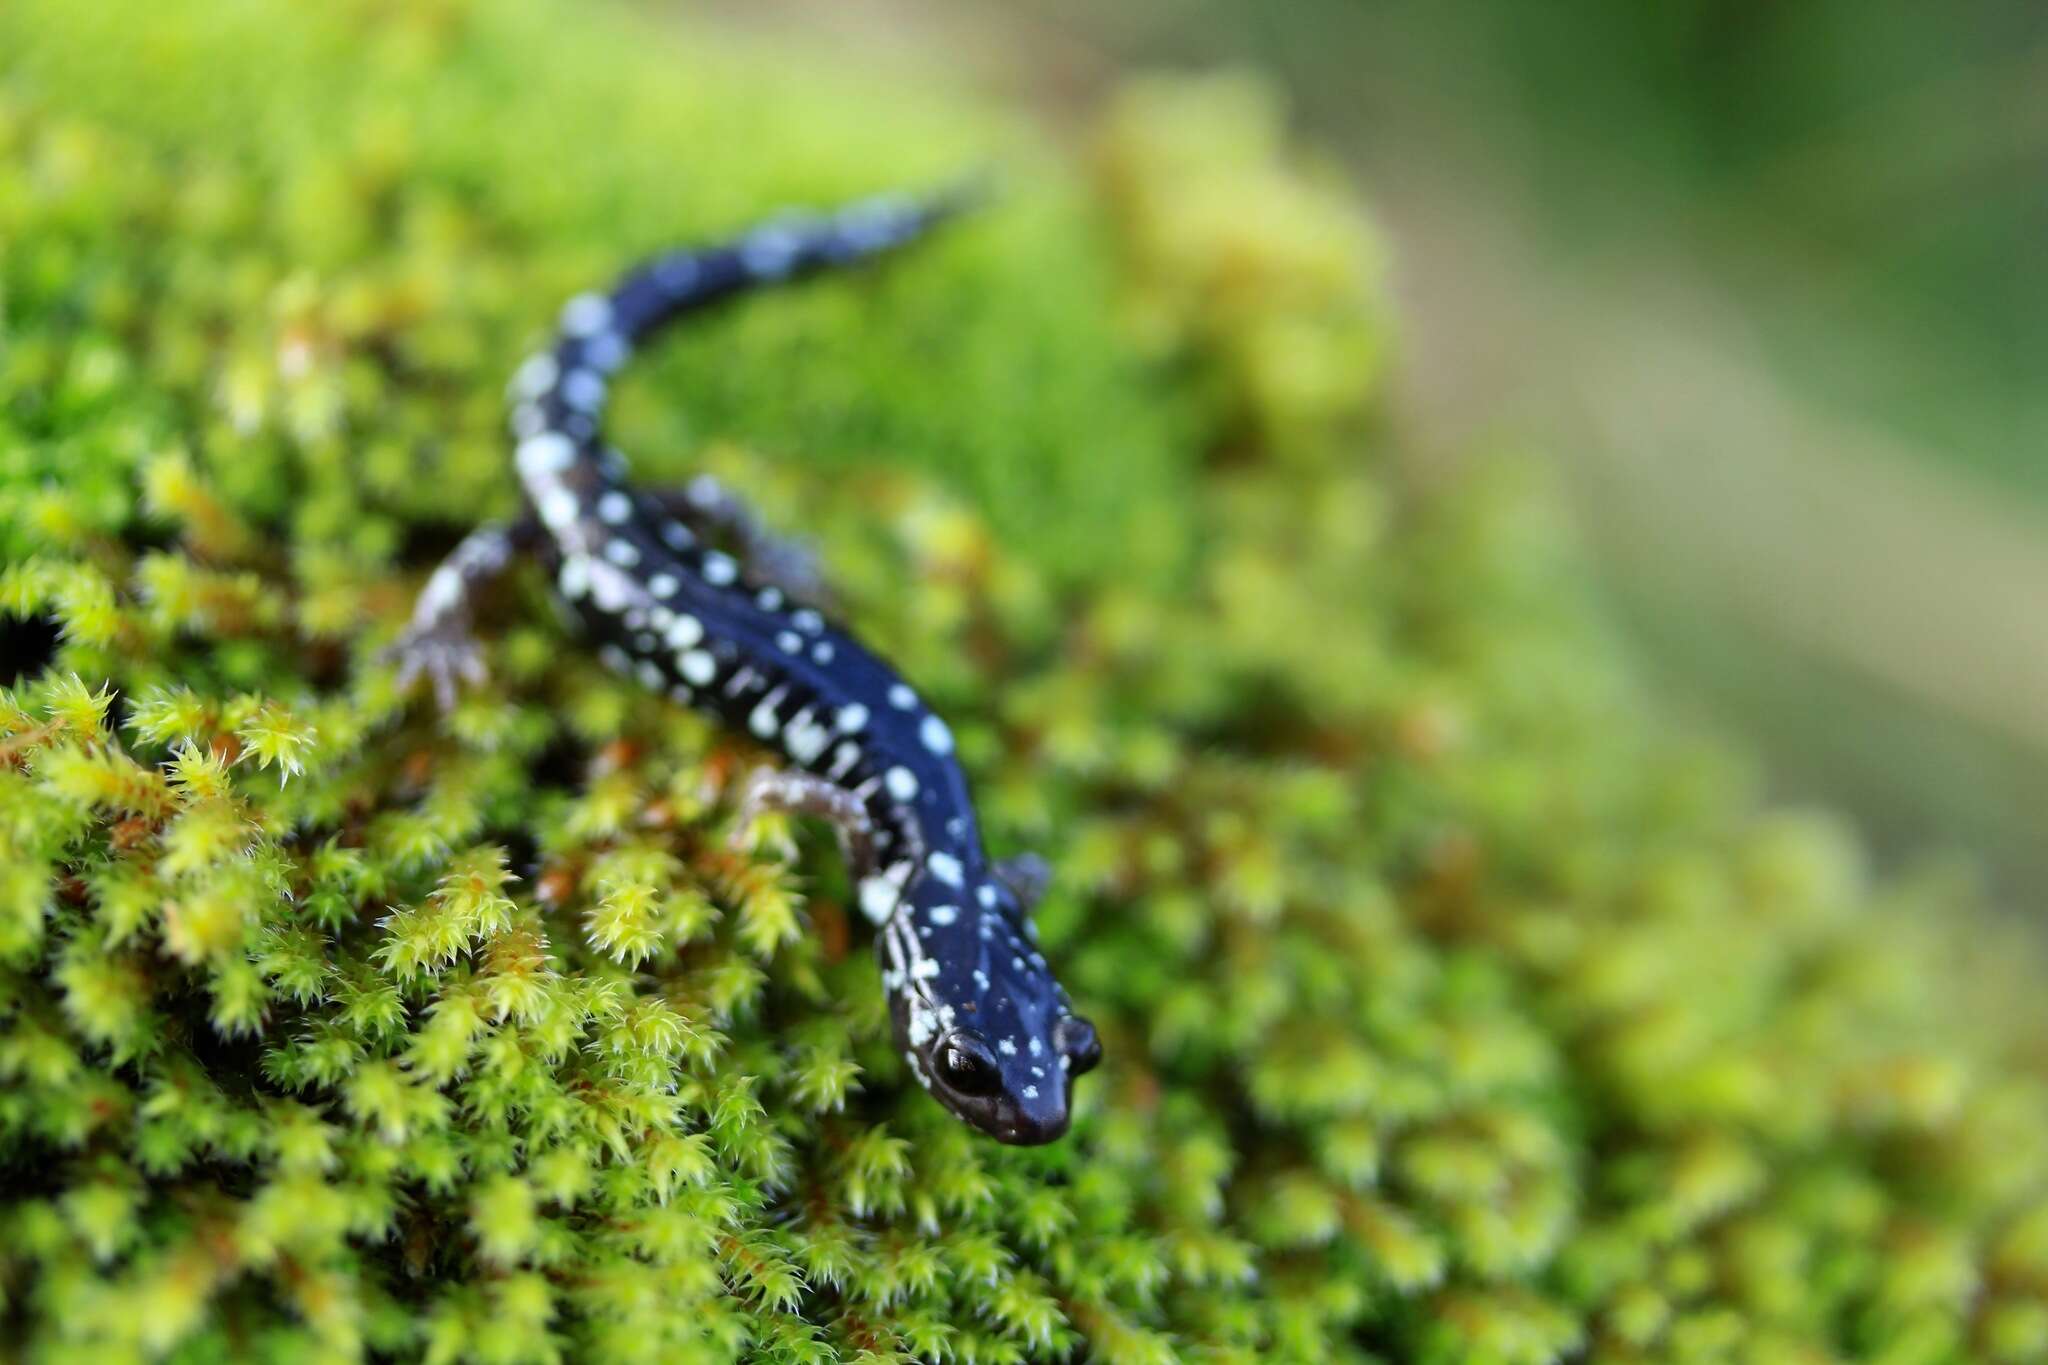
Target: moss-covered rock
[[1455, 1009]]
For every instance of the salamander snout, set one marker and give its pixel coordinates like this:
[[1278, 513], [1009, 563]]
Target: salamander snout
[[1031, 1124], [1015, 1095]]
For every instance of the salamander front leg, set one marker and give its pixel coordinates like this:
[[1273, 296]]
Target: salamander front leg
[[801, 793], [437, 642], [1027, 875], [708, 507]]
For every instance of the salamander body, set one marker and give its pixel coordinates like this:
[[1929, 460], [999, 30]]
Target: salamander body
[[683, 592]]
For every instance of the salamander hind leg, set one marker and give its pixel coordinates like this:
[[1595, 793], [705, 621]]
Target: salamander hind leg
[[437, 642], [801, 793]]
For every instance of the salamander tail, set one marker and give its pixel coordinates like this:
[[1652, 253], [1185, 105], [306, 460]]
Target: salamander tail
[[560, 391]]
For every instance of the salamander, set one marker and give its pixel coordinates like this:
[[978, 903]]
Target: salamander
[[684, 592]]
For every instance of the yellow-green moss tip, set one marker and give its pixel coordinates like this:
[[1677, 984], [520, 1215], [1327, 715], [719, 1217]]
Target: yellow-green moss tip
[[1454, 1011]]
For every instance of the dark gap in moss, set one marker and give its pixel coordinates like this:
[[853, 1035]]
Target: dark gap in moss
[[561, 765], [25, 1165], [139, 536], [419, 1252], [233, 1064], [428, 542], [27, 644], [117, 710], [326, 665], [1268, 722], [522, 850]]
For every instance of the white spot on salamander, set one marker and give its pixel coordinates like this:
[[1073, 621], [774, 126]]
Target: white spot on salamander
[[610, 589], [720, 569], [536, 376], [763, 720], [804, 619], [935, 735], [606, 351], [622, 552], [943, 915], [852, 718], [902, 783], [582, 390], [559, 508], [585, 314], [698, 666], [945, 867], [878, 897], [901, 697], [789, 642], [685, 631], [615, 507], [769, 252], [805, 738], [540, 457]]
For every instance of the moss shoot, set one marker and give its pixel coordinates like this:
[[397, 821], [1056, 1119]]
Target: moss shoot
[[1457, 1007]]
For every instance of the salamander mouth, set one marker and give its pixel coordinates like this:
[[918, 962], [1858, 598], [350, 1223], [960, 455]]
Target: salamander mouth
[[1008, 1122], [1030, 1134]]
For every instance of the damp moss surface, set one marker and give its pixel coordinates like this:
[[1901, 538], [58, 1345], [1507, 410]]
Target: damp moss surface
[[1457, 1007]]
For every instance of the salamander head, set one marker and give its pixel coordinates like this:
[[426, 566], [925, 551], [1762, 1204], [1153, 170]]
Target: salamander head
[[978, 1015]]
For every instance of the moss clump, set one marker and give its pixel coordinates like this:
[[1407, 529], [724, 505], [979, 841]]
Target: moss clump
[[1454, 1011]]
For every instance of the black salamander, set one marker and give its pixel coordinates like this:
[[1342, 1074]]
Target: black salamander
[[978, 1016]]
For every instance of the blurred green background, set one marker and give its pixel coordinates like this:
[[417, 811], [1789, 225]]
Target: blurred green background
[[1767, 282]]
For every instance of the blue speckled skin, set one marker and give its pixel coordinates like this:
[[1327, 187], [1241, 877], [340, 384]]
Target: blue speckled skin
[[978, 1016]]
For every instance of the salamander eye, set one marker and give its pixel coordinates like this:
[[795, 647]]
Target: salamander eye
[[966, 1065], [1076, 1040]]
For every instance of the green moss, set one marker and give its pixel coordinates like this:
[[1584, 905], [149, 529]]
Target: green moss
[[1455, 1009], [332, 201]]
